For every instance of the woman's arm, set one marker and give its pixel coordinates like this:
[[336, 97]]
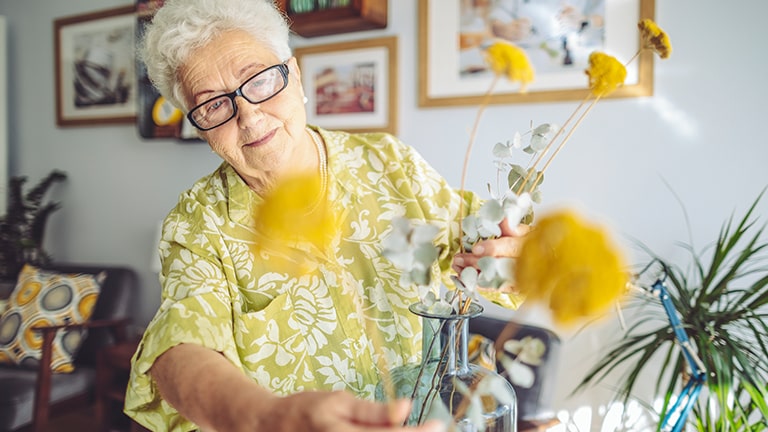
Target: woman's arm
[[208, 390]]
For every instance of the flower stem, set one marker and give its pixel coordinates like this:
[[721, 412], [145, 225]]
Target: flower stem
[[472, 137], [565, 140], [541, 155], [532, 168]]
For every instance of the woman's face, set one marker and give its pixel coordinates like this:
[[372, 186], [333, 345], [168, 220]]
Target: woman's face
[[263, 140]]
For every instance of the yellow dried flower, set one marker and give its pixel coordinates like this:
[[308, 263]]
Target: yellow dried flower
[[296, 210], [570, 265], [511, 61], [654, 38], [606, 74]]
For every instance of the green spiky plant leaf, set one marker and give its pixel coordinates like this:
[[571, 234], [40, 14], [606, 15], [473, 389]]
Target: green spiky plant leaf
[[22, 228], [722, 302]]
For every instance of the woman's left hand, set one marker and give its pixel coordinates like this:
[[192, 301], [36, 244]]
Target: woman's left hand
[[507, 245]]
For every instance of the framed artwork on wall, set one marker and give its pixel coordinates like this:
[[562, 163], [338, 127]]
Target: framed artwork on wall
[[95, 67], [351, 86], [156, 117], [557, 35]]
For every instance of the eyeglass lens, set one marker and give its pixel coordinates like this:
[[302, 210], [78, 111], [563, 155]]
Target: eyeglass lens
[[259, 88]]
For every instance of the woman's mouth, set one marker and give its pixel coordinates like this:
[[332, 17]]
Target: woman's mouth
[[263, 140]]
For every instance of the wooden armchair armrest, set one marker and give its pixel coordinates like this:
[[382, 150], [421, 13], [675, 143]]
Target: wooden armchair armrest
[[118, 327], [43, 391]]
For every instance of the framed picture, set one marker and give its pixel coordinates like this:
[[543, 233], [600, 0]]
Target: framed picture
[[557, 35], [351, 86], [95, 70], [156, 117]]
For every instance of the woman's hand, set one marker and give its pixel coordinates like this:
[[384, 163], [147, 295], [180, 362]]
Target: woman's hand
[[337, 412], [217, 396], [506, 246]]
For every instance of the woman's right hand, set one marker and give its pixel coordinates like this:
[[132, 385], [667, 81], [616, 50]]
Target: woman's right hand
[[338, 412]]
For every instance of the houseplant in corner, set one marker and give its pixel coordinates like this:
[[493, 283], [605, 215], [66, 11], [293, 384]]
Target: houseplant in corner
[[22, 228], [721, 302]]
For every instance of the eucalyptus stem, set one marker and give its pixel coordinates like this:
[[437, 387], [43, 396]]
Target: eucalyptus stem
[[472, 137], [532, 168], [562, 143], [541, 155]]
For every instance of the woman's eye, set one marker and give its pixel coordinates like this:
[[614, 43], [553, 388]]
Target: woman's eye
[[213, 106], [258, 83]]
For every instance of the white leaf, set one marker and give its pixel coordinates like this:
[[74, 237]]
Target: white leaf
[[519, 374], [491, 211], [424, 234]]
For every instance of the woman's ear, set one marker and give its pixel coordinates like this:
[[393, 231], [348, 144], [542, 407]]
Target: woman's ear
[[293, 66]]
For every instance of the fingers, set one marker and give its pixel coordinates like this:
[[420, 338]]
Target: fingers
[[508, 246], [518, 230], [369, 416], [365, 412]]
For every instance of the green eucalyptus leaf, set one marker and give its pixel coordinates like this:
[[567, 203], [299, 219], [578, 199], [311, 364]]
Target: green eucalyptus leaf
[[539, 142]]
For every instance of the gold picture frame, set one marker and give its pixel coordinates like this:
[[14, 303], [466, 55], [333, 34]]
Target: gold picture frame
[[451, 67], [351, 86], [95, 67]]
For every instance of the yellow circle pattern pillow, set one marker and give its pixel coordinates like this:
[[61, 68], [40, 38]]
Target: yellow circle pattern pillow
[[44, 298]]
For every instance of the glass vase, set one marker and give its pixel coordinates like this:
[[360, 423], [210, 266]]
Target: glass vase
[[445, 379]]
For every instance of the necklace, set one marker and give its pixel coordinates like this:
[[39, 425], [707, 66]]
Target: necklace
[[323, 166]]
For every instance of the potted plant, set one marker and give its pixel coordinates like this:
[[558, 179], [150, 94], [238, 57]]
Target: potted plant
[[721, 302], [22, 228]]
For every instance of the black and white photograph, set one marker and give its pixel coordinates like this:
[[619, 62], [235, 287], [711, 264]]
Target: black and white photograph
[[95, 68]]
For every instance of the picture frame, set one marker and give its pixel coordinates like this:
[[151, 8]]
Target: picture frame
[[95, 68], [453, 73], [351, 86], [156, 117]]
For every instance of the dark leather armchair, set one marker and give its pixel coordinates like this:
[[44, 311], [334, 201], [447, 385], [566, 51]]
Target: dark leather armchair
[[29, 397], [534, 411]]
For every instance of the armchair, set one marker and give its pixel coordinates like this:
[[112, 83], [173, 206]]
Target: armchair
[[30, 397]]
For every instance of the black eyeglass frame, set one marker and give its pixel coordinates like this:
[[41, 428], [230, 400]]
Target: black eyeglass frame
[[281, 67]]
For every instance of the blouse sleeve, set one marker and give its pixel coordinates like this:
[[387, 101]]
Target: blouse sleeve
[[439, 202]]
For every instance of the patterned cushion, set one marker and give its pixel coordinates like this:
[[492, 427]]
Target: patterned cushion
[[40, 298]]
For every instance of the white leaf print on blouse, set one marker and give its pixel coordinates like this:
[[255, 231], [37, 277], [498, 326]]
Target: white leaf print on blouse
[[312, 313]]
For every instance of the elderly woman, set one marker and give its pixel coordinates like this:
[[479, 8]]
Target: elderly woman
[[239, 343]]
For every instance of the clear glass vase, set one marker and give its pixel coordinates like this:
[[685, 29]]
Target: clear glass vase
[[445, 378]]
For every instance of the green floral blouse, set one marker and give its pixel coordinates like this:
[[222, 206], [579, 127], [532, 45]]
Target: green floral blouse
[[329, 327]]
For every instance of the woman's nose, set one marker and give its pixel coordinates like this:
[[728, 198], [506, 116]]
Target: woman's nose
[[247, 113]]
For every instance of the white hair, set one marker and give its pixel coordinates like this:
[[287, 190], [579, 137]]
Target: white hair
[[181, 26]]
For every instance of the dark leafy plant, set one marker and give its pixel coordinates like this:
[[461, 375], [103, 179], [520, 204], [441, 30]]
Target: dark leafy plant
[[722, 302], [23, 226]]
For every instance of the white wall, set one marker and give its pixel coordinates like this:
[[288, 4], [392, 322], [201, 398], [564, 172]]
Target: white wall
[[3, 117], [701, 133]]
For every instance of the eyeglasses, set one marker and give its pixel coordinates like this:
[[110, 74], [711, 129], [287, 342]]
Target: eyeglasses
[[257, 89]]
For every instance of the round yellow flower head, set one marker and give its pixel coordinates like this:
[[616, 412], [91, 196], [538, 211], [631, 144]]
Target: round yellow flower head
[[606, 74], [654, 38], [294, 211], [507, 59], [572, 266]]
